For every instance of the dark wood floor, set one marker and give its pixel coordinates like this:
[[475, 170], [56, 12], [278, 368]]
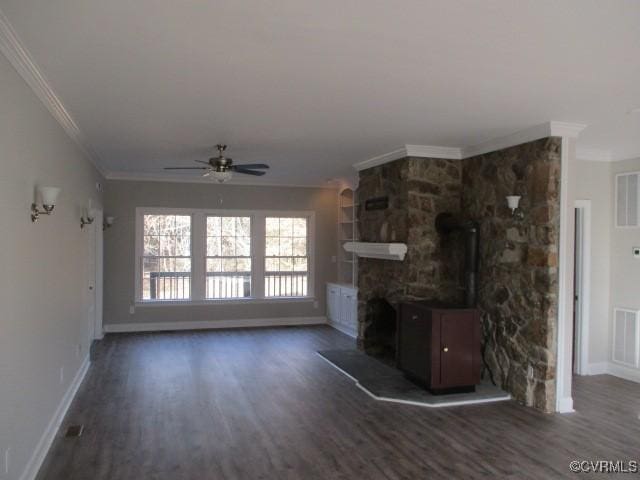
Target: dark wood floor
[[260, 404]]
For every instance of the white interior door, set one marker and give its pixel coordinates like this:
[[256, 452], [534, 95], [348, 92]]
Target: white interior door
[[94, 277], [90, 284], [582, 287], [98, 275]]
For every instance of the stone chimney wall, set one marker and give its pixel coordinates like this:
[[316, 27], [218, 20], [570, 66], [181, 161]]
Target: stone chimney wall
[[418, 190], [518, 278]]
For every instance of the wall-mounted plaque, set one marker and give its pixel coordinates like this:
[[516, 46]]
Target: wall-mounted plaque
[[377, 203]]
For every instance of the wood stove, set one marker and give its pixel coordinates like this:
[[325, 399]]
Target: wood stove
[[439, 346]]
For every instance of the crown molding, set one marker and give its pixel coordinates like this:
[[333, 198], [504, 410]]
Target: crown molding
[[543, 130], [428, 151], [168, 178], [19, 57], [594, 155], [565, 129], [523, 136], [381, 159], [421, 151]]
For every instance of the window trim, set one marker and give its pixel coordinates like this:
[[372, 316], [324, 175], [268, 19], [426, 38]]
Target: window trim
[[198, 254]]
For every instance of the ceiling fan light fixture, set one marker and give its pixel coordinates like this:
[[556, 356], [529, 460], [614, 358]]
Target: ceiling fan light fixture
[[221, 176]]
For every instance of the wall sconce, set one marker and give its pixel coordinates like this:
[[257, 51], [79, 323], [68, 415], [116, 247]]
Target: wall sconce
[[108, 222], [48, 195], [513, 202], [88, 217]]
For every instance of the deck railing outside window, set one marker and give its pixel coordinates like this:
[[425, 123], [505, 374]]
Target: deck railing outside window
[[286, 257]]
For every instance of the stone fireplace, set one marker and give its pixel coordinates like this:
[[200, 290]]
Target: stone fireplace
[[379, 330], [418, 189], [517, 294]]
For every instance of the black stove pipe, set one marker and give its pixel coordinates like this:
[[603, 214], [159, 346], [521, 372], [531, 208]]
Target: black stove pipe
[[447, 223]]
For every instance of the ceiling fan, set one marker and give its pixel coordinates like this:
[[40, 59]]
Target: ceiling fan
[[221, 168]]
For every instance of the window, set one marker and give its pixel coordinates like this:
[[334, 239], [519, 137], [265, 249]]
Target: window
[[228, 257], [286, 257], [166, 261], [201, 256]]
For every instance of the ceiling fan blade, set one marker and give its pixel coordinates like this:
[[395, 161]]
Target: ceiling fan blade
[[250, 165], [249, 172], [207, 174], [185, 168]]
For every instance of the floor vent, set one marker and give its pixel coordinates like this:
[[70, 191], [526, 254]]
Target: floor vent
[[74, 431]]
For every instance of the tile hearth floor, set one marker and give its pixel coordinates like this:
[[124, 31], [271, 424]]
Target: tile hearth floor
[[388, 384]]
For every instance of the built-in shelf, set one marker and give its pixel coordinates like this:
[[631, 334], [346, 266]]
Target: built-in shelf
[[347, 228]]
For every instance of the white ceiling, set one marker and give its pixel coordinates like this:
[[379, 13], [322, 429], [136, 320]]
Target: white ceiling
[[312, 87]]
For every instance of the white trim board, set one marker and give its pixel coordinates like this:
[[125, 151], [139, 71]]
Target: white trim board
[[213, 324], [585, 286], [17, 54], [543, 130], [49, 435], [547, 129], [622, 371], [564, 353], [342, 329], [599, 368], [616, 370], [416, 404], [237, 181], [422, 151]]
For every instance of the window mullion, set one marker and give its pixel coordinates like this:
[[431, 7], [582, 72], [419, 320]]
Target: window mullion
[[198, 255], [258, 254]]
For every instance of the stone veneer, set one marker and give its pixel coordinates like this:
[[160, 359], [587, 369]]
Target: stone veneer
[[518, 276], [518, 259], [418, 190]]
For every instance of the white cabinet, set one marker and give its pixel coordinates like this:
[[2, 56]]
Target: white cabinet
[[342, 308]]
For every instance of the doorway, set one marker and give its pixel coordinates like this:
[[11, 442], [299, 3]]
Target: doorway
[[582, 281], [94, 278]]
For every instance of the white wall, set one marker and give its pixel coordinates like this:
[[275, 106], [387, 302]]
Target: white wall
[[43, 282], [594, 183], [615, 274], [121, 200], [625, 270]]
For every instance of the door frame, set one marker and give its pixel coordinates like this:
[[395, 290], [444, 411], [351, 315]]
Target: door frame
[[583, 285], [97, 330]]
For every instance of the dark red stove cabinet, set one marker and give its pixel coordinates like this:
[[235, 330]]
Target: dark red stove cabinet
[[439, 347]]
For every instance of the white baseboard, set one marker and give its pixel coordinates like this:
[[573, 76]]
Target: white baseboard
[[622, 371], [599, 368], [615, 369], [49, 435], [340, 328], [565, 405], [213, 324]]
